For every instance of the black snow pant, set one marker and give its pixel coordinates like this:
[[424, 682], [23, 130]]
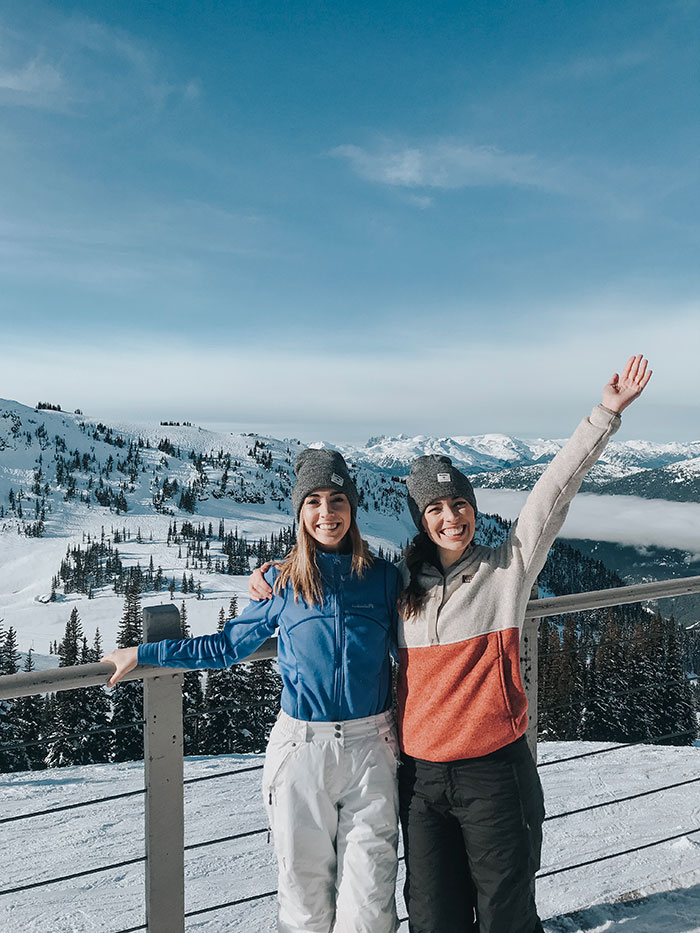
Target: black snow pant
[[472, 833]]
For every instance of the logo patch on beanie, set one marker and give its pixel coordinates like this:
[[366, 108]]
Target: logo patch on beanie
[[443, 478], [338, 480]]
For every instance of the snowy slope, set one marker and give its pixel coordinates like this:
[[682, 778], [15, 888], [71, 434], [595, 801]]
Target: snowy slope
[[54, 464], [679, 481], [255, 502], [656, 890]]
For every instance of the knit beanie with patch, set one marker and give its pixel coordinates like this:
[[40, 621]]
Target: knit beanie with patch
[[321, 469], [433, 477]]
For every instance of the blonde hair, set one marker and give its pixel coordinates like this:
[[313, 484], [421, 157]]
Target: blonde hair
[[299, 567]]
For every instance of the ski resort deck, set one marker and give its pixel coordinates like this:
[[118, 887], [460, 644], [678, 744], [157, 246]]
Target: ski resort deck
[[622, 837]]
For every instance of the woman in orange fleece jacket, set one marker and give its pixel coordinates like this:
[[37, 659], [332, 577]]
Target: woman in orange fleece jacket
[[471, 801]]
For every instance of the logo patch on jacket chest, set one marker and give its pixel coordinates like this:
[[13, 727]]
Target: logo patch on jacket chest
[[467, 577]]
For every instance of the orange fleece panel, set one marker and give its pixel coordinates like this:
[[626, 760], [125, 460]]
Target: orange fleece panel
[[461, 700]]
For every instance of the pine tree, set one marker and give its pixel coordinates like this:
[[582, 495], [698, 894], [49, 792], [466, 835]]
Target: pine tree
[[192, 700], [257, 687], [679, 709], [68, 705], [548, 675], [643, 655], [610, 715], [127, 698], [11, 758], [97, 744], [221, 736], [571, 687], [31, 720]]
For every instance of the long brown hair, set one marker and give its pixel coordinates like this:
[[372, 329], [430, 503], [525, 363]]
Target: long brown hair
[[299, 567], [418, 552]]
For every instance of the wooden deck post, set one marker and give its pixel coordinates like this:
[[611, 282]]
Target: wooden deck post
[[164, 807]]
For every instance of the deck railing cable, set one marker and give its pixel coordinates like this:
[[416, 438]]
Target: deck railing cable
[[618, 746], [71, 806], [262, 830], [220, 774], [605, 858], [609, 803]]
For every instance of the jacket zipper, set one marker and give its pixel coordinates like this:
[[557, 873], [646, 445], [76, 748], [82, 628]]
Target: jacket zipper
[[338, 628], [434, 637]]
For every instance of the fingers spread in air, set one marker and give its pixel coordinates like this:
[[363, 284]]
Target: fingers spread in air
[[628, 367], [634, 368]]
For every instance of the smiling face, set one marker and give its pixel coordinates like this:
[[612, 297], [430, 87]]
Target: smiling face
[[326, 515], [450, 525]]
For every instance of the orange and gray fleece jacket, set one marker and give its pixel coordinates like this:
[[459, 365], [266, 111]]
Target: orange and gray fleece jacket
[[460, 692]]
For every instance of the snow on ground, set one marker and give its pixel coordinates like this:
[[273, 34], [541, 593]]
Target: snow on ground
[[28, 564], [656, 890]]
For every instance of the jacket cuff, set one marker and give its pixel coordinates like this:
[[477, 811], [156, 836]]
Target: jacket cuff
[[148, 653], [603, 417]]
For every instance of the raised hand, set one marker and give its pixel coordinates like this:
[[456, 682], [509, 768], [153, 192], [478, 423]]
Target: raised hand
[[623, 389]]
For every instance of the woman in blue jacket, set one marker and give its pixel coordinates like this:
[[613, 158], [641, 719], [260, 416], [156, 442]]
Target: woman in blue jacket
[[329, 779]]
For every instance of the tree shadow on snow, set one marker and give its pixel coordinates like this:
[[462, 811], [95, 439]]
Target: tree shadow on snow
[[665, 912]]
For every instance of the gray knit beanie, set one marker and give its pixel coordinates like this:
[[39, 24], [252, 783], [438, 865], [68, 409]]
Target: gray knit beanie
[[321, 469], [433, 477]]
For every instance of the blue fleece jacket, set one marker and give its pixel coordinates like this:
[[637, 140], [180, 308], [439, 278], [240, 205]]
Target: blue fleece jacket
[[334, 659]]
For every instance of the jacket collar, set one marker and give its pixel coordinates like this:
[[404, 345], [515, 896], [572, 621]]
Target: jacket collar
[[434, 574], [326, 560]]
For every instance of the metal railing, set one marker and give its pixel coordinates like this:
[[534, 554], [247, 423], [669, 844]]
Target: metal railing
[[163, 748]]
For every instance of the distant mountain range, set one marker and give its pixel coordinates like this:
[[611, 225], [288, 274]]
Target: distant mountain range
[[65, 457], [61, 472], [498, 461]]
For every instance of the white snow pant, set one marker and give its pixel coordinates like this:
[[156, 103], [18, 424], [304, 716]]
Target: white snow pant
[[331, 798]]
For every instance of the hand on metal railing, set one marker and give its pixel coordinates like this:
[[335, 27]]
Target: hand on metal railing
[[124, 660]]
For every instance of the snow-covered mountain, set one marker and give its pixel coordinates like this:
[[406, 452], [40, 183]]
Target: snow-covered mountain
[[497, 461], [56, 466], [66, 478], [68, 481], [677, 481], [486, 453]]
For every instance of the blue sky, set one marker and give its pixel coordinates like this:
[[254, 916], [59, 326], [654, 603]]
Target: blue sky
[[347, 219]]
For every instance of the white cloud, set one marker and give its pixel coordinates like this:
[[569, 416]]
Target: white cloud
[[598, 67], [444, 164], [192, 90], [35, 83], [621, 519], [74, 62], [34, 77], [150, 241]]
